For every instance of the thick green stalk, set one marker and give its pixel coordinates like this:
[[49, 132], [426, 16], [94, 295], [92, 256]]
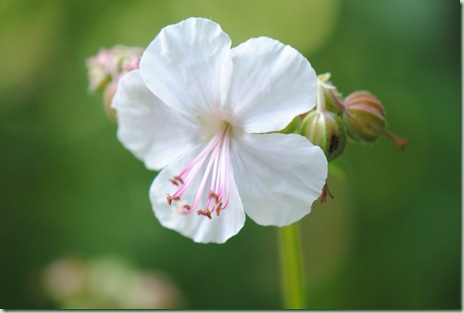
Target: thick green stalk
[[291, 267]]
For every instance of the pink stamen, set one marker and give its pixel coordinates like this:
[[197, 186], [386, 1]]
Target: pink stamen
[[170, 199], [227, 177], [218, 170]]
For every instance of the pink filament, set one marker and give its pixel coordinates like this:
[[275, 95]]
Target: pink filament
[[218, 169]]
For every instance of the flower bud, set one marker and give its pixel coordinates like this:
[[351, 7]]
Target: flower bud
[[97, 69], [333, 98], [326, 130], [111, 64], [110, 90], [106, 69], [364, 118]]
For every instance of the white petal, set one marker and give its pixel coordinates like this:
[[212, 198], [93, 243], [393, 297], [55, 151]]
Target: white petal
[[278, 176], [266, 84], [183, 65], [152, 131], [201, 229]]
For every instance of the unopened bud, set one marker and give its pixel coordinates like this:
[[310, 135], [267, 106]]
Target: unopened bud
[[106, 69], [326, 130], [110, 90], [364, 117], [333, 98], [98, 70], [110, 64]]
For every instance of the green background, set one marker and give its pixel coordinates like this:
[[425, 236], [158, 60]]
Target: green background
[[389, 240]]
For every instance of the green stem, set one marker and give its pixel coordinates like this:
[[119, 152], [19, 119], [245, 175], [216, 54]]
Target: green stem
[[291, 267]]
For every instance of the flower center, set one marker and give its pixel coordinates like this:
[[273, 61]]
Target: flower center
[[218, 171]]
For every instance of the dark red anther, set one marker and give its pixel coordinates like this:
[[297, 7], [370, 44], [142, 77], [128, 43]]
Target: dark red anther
[[214, 196], [206, 213], [170, 199], [218, 208], [179, 179], [176, 180]]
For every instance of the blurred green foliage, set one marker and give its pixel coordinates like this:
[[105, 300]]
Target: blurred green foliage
[[389, 240]]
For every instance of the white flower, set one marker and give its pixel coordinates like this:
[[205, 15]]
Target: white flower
[[202, 113]]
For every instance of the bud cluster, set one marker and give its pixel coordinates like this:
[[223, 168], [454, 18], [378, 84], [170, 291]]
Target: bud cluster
[[106, 69], [360, 116]]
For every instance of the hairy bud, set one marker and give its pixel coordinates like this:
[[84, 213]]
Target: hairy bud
[[106, 69], [332, 98], [364, 118], [326, 130], [110, 64], [109, 92]]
